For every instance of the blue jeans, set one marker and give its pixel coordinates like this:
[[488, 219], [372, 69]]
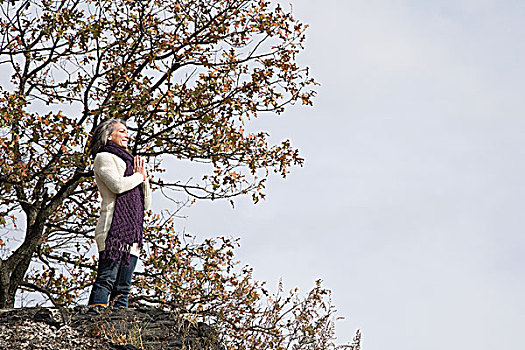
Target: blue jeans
[[113, 281]]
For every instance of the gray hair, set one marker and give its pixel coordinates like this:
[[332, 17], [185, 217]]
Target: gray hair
[[101, 134]]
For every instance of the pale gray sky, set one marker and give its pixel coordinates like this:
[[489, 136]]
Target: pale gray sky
[[410, 203]]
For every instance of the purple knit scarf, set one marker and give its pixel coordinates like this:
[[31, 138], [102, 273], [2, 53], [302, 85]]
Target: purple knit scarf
[[128, 214]]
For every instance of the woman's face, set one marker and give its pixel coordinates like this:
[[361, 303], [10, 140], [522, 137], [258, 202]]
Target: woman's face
[[120, 135]]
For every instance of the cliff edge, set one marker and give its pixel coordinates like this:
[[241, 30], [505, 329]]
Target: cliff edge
[[99, 328]]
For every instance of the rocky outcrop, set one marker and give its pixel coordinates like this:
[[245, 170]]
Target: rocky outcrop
[[100, 328]]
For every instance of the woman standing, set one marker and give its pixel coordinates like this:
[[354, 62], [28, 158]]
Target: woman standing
[[124, 187]]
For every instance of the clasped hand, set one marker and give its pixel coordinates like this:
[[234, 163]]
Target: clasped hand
[[139, 166]]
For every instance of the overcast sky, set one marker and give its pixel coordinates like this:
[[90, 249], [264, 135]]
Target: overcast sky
[[410, 204]]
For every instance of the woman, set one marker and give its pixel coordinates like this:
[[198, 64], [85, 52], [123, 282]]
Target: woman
[[123, 184]]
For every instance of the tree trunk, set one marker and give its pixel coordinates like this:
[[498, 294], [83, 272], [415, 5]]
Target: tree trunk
[[6, 301], [13, 270]]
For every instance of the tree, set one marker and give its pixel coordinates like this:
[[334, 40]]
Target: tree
[[188, 76]]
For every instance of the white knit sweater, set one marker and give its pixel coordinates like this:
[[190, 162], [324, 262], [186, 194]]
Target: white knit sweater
[[109, 175]]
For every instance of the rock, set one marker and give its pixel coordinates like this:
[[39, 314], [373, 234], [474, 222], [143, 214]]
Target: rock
[[100, 328]]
